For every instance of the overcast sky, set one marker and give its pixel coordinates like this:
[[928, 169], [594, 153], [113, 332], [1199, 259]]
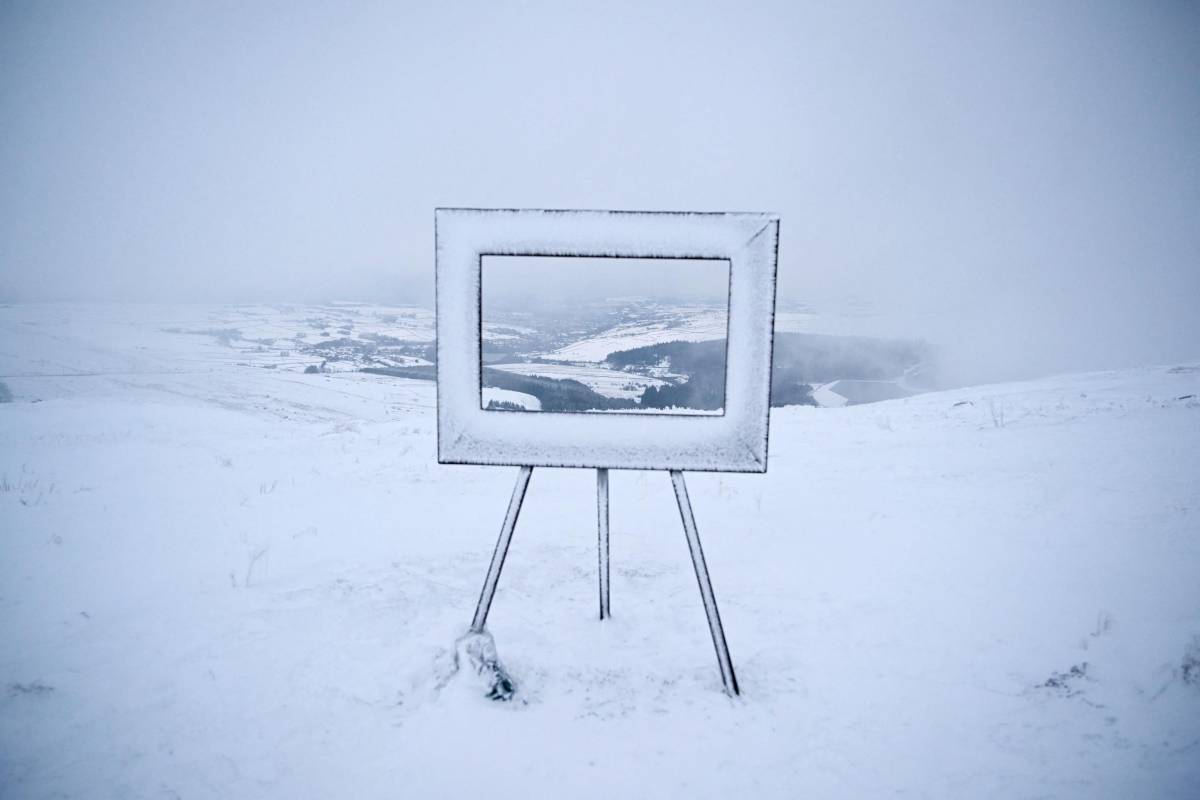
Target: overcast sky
[[1019, 182], [524, 283]]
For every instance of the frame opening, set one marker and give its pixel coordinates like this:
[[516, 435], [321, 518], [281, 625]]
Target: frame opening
[[603, 334]]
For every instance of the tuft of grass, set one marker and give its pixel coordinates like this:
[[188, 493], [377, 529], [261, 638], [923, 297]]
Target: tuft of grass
[[35, 688], [1063, 682], [996, 409], [24, 486], [1191, 663]]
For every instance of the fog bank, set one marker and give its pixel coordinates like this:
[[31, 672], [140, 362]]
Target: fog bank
[[1017, 183]]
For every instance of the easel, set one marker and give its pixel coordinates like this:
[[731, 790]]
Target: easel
[[689, 528]]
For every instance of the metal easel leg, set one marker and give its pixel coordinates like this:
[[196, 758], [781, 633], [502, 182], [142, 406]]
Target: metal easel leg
[[706, 590], [602, 527], [506, 532]]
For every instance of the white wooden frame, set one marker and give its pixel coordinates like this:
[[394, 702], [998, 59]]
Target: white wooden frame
[[735, 441]]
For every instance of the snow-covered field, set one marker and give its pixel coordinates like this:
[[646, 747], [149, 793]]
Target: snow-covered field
[[264, 321], [826, 397], [526, 401], [672, 323], [219, 580], [608, 382]]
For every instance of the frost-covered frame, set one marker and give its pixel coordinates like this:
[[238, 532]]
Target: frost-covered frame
[[733, 442]]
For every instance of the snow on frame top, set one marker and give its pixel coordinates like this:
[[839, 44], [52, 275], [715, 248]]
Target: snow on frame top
[[734, 442]]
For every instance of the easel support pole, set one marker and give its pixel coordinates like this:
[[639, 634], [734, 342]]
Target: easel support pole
[[706, 590], [498, 555], [602, 528]]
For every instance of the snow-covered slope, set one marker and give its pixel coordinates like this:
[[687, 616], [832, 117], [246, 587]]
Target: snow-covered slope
[[218, 580]]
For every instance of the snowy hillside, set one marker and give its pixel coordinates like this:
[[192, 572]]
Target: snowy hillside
[[224, 579]]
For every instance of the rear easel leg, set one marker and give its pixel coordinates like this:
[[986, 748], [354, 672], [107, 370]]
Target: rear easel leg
[[602, 527], [506, 532], [706, 590]]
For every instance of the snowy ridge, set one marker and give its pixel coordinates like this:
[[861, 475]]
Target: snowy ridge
[[220, 580]]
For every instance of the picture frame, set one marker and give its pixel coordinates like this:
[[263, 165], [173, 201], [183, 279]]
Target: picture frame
[[735, 441]]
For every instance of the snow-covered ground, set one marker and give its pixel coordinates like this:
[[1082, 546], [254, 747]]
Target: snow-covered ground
[[219, 580]]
